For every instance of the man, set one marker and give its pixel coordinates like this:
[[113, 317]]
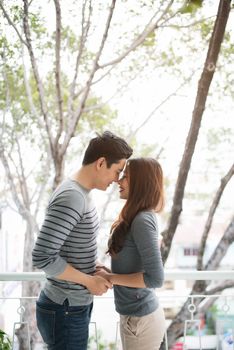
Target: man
[[66, 246]]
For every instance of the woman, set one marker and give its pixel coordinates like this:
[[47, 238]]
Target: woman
[[136, 262]]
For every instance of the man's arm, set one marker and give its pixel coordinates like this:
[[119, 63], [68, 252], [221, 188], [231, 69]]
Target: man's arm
[[97, 285], [60, 219]]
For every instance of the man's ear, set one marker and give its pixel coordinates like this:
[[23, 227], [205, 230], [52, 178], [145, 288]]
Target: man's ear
[[100, 162]]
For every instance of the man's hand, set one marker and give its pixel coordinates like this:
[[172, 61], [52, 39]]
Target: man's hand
[[97, 285]]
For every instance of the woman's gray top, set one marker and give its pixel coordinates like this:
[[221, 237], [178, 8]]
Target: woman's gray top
[[140, 253]]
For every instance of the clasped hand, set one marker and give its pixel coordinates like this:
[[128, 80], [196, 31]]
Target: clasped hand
[[99, 283]]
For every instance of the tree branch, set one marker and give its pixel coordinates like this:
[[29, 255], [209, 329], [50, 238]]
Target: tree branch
[[145, 121], [84, 34], [188, 25], [12, 23], [3, 157], [36, 75], [7, 93], [29, 92], [217, 256], [22, 210], [119, 90], [150, 27], [41, 188], [223, 183], [78, 112], [22, 179], [219, 288], [221, 249], [58, 70]]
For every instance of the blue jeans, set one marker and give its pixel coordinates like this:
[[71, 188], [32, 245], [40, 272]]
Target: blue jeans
[[63, 327]]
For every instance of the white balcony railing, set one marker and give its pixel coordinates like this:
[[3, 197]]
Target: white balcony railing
[[169, 275], [105, 319]]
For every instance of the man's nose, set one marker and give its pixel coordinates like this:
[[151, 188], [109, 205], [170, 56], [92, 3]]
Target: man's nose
[[119, 181]]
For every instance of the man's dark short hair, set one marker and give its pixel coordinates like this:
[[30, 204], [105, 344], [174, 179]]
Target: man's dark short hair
[[107, 145]]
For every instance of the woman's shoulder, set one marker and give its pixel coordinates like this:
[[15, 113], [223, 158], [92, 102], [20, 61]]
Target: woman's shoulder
[[144, 221], [145, 216]]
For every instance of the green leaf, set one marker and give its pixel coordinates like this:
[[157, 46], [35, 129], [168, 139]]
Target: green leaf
[[5, 343], [150, 40], [191, 6]]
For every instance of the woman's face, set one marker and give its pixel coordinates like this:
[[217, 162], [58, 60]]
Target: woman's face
[[124, 185]]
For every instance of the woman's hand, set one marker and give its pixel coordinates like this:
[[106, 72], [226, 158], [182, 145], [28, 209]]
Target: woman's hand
[[103, 272], [102, 267]]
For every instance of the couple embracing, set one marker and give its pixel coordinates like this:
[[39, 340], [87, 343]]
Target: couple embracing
[[66, 250]]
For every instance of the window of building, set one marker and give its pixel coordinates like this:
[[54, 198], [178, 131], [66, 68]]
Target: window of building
[[190, 251]]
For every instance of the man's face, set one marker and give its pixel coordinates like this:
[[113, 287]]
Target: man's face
[[108, 175]]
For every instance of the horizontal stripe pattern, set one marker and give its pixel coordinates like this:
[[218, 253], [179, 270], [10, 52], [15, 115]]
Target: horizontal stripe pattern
[[67, 235]]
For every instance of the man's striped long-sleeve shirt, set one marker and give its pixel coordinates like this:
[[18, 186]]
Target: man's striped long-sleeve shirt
[[67, 236]]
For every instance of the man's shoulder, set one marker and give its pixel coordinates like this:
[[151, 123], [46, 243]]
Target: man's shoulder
[[70, 188], [69, 194]]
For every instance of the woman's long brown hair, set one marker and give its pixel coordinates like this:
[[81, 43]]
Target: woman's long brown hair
[[145, 193]]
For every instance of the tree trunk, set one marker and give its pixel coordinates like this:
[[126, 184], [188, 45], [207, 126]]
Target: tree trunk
[[202, 93], [29, 289], [59, 170], [175, 329]]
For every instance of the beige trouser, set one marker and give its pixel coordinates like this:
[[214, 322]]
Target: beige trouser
[[143, 333]]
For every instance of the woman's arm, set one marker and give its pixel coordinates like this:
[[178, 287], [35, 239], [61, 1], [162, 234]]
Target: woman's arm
[[133, 280]]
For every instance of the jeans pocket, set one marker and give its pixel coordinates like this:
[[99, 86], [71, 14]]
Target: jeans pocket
[[46, 324]]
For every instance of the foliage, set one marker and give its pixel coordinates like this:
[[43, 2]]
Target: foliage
[[210, 318], [5, 342], [102, 343], [191, 6], [209, 327]]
